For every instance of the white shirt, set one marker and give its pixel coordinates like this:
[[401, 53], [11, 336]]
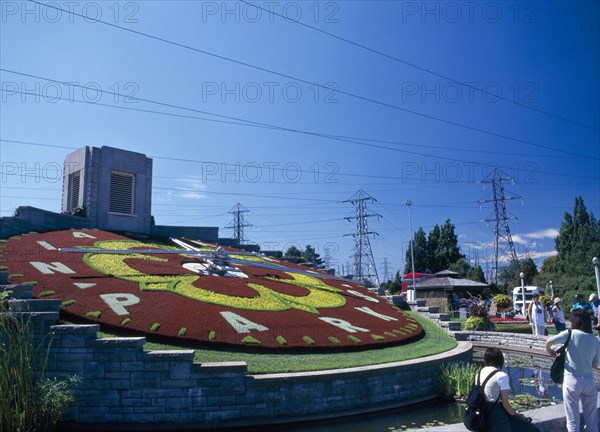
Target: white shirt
[[496, 383]]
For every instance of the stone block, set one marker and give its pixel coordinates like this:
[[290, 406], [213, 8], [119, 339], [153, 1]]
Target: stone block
[[132, 394], [180, 370], [145, 380], [170, 355], [34, 305], [138, 418], [135, 366], [90, 329], [157, 366], [171, 418], [116, 384], [179, 404], [136, 402], [93, 370], [164, 393], [177, 383], [149, 410]]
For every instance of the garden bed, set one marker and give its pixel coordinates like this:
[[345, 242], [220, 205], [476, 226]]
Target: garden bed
[[158, 295]]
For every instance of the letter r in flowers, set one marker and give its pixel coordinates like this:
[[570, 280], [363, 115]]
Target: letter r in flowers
[[375, 314], [344, 325]]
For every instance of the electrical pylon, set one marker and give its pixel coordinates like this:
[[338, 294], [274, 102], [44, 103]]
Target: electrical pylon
[[503, 244], [364, 264], [238, 224], [386, 273]]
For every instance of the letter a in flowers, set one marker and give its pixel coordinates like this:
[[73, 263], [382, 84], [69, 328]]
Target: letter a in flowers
[[241, 324]]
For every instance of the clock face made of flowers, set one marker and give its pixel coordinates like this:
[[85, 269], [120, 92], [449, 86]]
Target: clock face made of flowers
[[257, 301]]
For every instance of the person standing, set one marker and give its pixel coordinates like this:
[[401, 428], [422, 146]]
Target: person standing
[[502, 417], [536, 311], [580, 303], [583, 353], [595, 302], [559, 315]]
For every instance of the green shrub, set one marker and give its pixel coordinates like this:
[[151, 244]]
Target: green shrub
[[478, 323], [546, 301], [281, 340], [212, 335], [67, 303], [308, 340], [250, 340], [457, 378], [502, 301], [93, 314], [126, 321], [182, 331], [29, 400], [154, 327]]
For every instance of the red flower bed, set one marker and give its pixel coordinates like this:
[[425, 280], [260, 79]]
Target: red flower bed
[[156, 295], [509, 320]]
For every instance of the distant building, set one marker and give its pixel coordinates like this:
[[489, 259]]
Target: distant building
[[109, 186]]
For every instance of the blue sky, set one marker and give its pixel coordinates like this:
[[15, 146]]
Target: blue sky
[[403, 104]]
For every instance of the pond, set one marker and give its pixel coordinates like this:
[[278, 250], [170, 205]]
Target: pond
[[531, 388]]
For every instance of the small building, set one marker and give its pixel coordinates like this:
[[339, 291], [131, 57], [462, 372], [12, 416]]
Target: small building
[[111, 187], [446, 282]]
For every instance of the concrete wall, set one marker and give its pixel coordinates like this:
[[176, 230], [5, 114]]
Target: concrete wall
[[125, 387], [207, 234], [35, 219]]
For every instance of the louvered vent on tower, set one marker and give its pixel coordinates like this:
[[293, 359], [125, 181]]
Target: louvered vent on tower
[[121, 193]]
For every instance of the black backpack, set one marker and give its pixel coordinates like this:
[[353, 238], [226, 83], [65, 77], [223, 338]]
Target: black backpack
[[477, 405]]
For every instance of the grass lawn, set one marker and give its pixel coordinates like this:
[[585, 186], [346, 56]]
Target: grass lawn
[[435, 341]]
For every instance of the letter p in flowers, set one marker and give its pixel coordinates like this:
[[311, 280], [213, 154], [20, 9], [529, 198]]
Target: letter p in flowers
[[117, 302]]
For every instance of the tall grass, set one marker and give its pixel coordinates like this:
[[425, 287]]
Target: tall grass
[[29, 401], [457, 378]]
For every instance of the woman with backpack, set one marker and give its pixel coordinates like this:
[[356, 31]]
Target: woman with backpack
[[501, 416], [583, 353]]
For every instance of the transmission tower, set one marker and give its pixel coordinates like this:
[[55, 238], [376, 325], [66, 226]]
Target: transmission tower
[[504, 247], [386, 274], [238, 224], [364, 264]]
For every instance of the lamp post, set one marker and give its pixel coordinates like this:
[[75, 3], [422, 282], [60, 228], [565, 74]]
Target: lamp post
[[412, 252], [596, 262], [522, 276], [551, 290]]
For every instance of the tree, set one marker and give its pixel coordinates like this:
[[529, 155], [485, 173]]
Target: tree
[[578, 241], [293, 254], [442, 247], [433, 243], [420, 253], [311, 257], [461, 267], [395, 286], [476, 274], [510, 275]]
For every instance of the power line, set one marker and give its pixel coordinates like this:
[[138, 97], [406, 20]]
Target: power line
[[356, 96], [421, 68], [261, 125]]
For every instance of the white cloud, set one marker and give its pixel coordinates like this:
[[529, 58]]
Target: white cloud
[[192, 188]]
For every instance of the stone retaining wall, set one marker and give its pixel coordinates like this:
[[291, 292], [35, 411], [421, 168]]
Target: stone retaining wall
[[123, 386]]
